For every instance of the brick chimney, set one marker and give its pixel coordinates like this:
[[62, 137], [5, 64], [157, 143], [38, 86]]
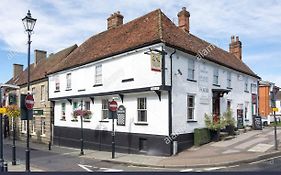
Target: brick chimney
[[183, 20], [39, 56], [18, 68], [115, 20], [235, 47]]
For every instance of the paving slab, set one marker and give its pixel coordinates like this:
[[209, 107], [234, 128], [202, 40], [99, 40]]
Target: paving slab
[[261, 148], [250, 143]]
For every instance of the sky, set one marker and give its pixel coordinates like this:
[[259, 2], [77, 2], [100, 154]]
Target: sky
[[63, 23]]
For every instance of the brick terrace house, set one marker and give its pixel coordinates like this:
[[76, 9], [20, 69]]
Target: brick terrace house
[[165, 77], [42, 123]]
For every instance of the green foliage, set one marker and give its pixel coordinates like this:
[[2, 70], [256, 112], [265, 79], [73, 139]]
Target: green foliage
[[214, 125], [201, 136], [13, 111], [228, 117]]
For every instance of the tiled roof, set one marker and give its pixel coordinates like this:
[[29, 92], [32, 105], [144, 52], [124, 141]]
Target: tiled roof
[[39, 71], [151, 28]]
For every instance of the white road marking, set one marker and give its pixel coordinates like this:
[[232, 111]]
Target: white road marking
[[214, 168], [86, 167], [110, 170], [264, 160], [186, 170]]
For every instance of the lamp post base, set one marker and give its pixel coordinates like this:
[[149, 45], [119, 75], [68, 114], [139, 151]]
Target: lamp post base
[[14, 162]]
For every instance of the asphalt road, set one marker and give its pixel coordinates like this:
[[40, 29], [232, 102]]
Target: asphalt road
[[67, 159]]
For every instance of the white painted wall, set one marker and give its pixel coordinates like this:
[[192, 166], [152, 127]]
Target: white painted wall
[[135, 65], [203, 101], [157, 114]]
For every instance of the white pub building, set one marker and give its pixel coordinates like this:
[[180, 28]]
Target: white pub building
[[164, 77]]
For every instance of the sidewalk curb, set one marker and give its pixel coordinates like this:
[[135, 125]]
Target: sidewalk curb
[[230, 163]]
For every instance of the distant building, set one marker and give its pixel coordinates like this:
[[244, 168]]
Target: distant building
[[42, 123], [165, 77]]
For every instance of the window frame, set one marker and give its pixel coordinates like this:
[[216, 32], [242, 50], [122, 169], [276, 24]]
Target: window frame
[[229, 81], [23, 126], [63, 109], [68, 81], [140, 109], [246, 84], [57, 85], [98, 74], [190, 107], [42, 93], [216, 76], [104, 109], [43, 127], [191, 68]]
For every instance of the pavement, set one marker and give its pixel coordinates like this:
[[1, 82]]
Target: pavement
[[252, 146]]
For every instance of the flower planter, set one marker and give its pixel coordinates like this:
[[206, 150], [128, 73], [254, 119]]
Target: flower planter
[[215, 135], [230, 129]]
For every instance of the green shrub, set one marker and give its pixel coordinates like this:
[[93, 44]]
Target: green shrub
[[201, 136]]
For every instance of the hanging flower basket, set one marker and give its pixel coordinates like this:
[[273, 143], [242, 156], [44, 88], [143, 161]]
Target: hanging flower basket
[[86, 114]]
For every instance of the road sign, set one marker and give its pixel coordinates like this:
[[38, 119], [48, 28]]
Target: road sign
[[3, 110], [113, 106], [275, 109], [29, 102]]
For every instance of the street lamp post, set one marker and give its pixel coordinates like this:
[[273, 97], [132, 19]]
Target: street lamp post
[[29, 24], [82, 134]]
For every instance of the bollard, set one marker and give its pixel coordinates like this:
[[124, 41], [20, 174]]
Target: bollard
[[175, 147], [5, 166], [50, 146]]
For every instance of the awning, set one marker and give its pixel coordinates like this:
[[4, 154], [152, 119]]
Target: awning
[[220, 92]]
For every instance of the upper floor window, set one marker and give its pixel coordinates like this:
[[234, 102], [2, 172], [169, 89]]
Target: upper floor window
[[216, 76], [190, 107], [42, 94], [142, 112], [75, 106], [68, 81], [57, 84], [43, 126], [104, 109], [191, 69], [33, 91], [246, 84], [229, 79], [98, 74]]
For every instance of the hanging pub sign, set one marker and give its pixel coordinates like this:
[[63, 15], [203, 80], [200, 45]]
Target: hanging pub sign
[[121, 115], [155, 59], [240, 123]]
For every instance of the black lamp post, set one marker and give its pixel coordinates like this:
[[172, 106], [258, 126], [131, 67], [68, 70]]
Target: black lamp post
[[29, 24], [82, 134], [1, 136]]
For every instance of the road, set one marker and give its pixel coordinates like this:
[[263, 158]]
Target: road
[[68, 159]]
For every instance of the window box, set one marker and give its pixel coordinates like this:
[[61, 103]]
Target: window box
[[229, 88], [62, 119], [87, 120], [56, 91], [97, 85], [191, 121], [74, 120], [68, 90], [104, 121], [217, 85], [246, 91]]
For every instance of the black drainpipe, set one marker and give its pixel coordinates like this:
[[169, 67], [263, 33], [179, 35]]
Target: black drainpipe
[[170, 101]]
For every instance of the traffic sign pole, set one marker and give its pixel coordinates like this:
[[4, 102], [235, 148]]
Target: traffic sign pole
[[113, 108]]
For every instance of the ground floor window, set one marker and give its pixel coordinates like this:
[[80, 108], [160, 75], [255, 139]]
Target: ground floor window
[[246, 111], [23, 126], [104, 109], [142, 110], [190, 107], [43, 126], [63, 111], [228, 104], [33, 126]]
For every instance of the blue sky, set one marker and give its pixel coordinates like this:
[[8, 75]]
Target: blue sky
[[66, 22]]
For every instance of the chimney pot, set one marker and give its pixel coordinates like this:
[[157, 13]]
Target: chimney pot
[[18, 68], [39, 56], [183, 20], [115, 20], [235, 47]]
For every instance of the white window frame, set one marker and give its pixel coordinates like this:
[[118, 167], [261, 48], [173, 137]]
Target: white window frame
[[87, 105], [57, 85], [104, 109], [229, 79], [216, 76], [63, 110], [98, 75], [68, 81], [43, 127], [141, 109], [191, 69], [33, 124], [246, 85], [23, 126], [192, 118]]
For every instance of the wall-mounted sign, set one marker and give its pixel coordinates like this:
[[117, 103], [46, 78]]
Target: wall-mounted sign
[[121, 115], [240, 123], [155, 59], [3, 110], [203, 85], [38, 112]]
